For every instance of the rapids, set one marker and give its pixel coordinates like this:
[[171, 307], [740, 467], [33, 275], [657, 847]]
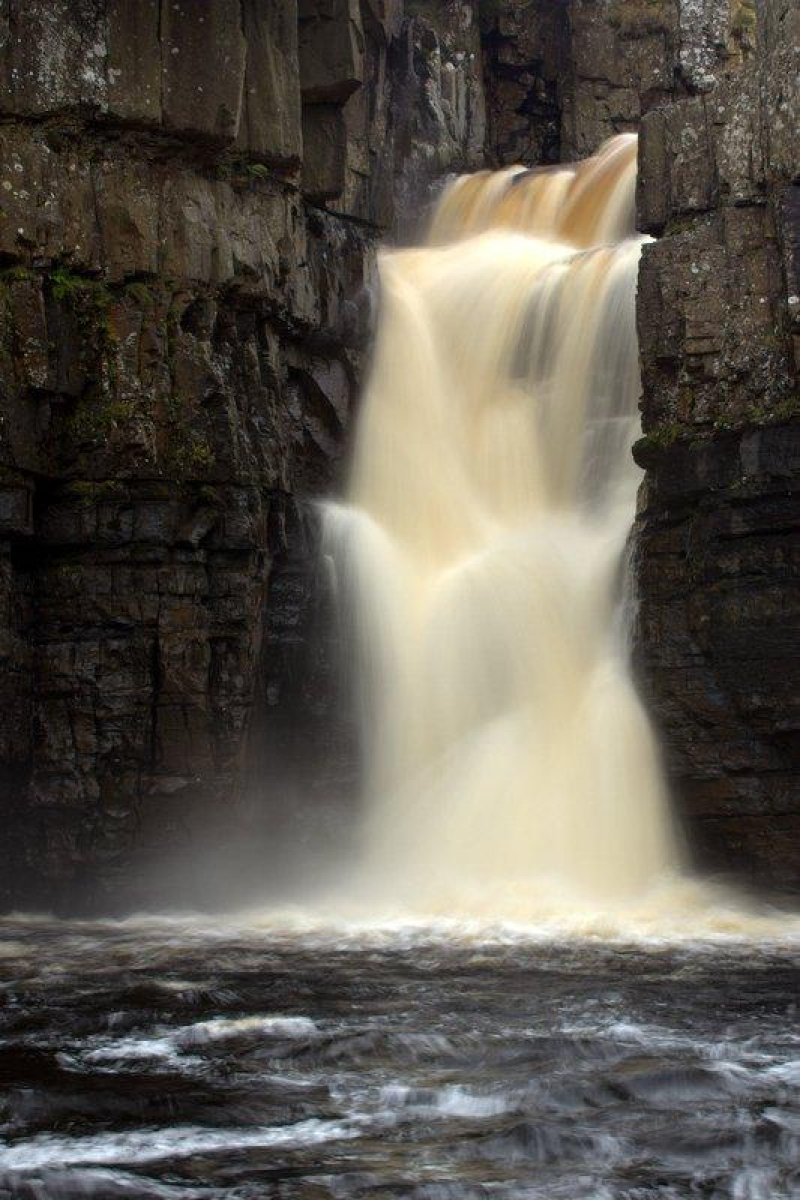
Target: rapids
[[275, 1058]]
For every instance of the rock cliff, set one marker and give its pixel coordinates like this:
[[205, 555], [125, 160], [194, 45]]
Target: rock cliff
[[719, 319], [191, 195], [190, 200]]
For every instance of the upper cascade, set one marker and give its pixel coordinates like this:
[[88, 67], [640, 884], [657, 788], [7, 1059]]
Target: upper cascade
[[582, 204]]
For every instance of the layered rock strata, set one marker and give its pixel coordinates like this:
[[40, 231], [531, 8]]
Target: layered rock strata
[[719, 318], [190, 198]]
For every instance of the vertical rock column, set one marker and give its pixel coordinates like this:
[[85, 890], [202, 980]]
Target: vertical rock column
[[179, 340], [190, 199], [718, 319]]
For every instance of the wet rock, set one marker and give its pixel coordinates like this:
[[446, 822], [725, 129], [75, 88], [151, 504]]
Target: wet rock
[[270, 126], [331, 50], [325, 145], [526, 59], [621, 63], [203, 64], [183, 323], [720, 628], [134, 66]]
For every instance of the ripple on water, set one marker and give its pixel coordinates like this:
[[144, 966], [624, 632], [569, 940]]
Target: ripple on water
[[248, 1066]]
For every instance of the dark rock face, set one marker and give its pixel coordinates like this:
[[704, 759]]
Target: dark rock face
[[527, 52], [718, 528], [189, 210], [564, 75], [720, 631]]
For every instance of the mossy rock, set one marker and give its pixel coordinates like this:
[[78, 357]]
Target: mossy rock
[[90, 491], [638, 18]]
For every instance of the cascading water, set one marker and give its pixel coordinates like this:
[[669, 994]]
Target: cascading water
[[481, 548]]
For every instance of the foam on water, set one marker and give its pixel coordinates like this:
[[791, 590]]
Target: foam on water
[[152, 1145]]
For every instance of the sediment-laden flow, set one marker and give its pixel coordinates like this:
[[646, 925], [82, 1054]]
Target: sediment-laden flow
[[482, 541]]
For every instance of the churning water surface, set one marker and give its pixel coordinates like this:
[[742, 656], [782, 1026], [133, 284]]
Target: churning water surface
[[193, 1058]]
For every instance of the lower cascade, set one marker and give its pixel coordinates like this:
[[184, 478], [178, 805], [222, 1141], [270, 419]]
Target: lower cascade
[[481, 550]]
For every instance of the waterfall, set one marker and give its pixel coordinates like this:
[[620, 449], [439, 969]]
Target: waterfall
[[480, 549]]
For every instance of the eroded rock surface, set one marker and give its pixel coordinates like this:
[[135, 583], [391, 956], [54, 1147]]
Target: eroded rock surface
[[190, 200], [720, 553]]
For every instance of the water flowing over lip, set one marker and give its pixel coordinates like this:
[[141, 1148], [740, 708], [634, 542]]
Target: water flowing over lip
[[477, 559]]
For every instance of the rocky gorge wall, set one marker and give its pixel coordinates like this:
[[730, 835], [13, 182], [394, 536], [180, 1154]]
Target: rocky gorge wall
[[190, 199], [191, 195], [719, 526]]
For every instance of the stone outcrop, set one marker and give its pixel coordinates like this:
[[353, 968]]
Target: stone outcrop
[[719, 320], [527, 57], [190, 200], [564, 75]]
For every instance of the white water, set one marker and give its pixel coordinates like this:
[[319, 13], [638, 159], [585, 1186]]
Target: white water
[[481, 548]]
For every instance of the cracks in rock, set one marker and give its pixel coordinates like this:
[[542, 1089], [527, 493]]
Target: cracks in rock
[[162, 64], [156, 688]]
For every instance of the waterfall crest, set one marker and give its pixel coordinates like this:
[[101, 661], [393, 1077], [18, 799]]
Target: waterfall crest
[[480, 548]]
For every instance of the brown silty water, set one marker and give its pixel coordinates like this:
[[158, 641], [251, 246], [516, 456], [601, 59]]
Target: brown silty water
[[482, 541]]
